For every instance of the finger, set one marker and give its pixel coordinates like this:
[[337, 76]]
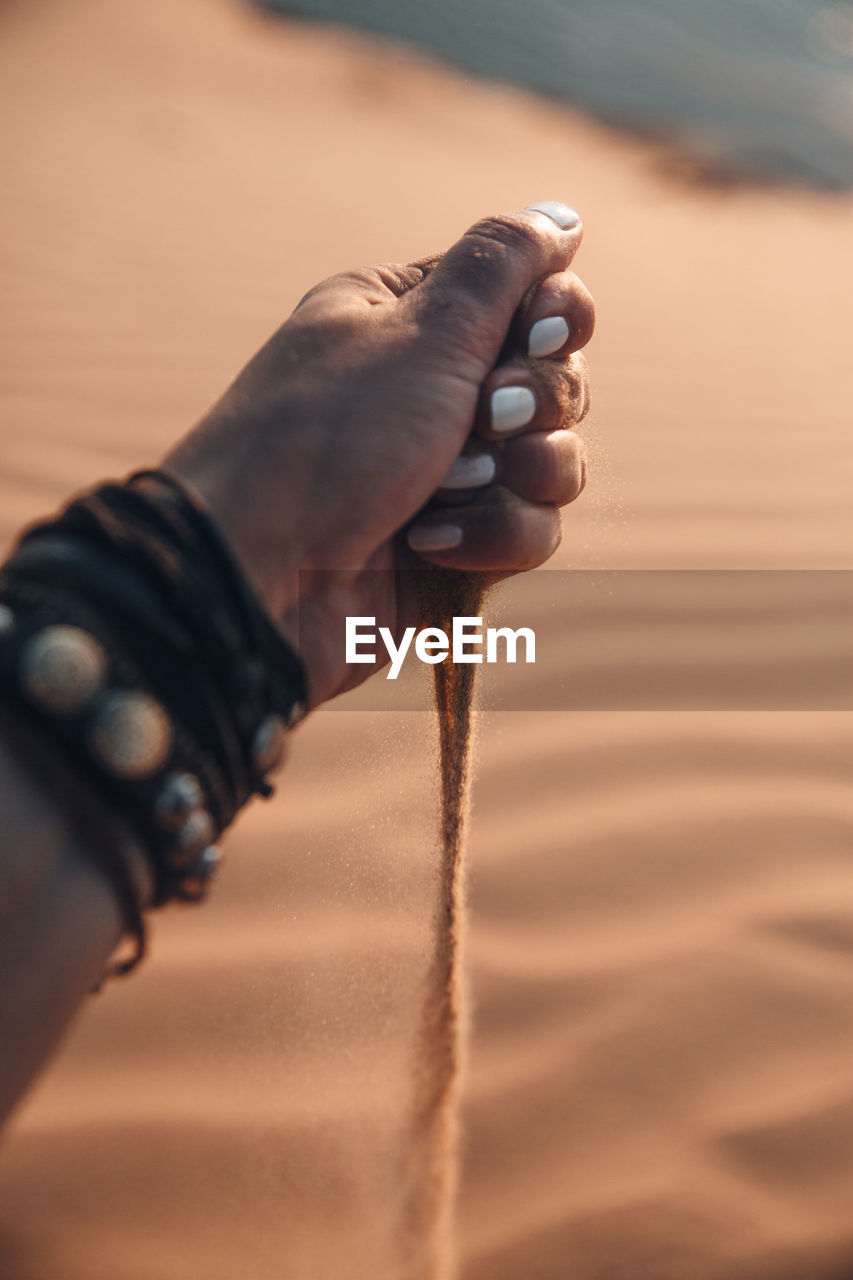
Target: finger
[[468, 299], [362, 287], [544, 468], [527, 395], [556, 317], [499, 531], [478, 465], [428, 264]]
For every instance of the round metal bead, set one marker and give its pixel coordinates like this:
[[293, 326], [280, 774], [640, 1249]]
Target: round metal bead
[[268, 744], [209, 862], [7, 620], [62, 668], [131, 735], [296, 713], [194, 836], [181, 795], [194, 884]]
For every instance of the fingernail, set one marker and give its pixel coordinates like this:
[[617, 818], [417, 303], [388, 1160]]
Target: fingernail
[[564, 216], [548, 335], [512, 407], [434, 537], [469, 472]]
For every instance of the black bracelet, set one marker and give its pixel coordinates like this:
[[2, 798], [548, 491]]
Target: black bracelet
[[131, 637]]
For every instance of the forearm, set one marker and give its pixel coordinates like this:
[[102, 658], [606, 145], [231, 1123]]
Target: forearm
[[143, 690], [60, 919]]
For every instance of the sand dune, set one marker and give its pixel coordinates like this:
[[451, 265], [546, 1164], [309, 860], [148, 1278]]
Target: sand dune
[[661, 953], [739, 88]]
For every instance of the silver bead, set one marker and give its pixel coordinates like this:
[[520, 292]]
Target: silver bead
[[195, 834], [194, 885], [180, 796], [7, 620], [209, 862], [62, 668], [131, 735], [296, 713], [268, 744]]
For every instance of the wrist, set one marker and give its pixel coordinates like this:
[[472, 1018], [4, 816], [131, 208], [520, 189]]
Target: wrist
[[133, 643], [313, 626], [270, 559]]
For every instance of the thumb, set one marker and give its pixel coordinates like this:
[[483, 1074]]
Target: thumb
[[469, 296]]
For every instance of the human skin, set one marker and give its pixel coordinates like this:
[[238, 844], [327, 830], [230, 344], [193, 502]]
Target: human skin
[[364, 399], [330, 457]]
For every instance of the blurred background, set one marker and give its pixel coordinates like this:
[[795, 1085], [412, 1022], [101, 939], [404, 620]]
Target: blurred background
[[660, 957], [755, 89]]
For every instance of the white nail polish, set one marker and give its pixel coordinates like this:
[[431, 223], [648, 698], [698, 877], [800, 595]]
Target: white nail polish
[[434, 537], [548, 335], [470, 472], [564, 216], [512, 407]]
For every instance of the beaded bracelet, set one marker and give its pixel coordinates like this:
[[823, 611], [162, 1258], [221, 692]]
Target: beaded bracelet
[[131, 638]]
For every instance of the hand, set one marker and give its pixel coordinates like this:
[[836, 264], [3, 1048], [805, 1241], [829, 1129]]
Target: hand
[[338, 446]]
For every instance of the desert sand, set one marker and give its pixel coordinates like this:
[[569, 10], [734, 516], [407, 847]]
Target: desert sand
[[660, 952]]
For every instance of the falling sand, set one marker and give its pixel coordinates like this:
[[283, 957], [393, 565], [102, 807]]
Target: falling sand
[[433, 1151]]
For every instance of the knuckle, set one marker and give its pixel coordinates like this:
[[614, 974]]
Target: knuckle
[[585, 310], [333, 326], [333, 287], [356, 277], [427, 264], [398, 278], [584, 409], [578, 362], [580, 376], [575, 395], [585, 392], [506, 233]]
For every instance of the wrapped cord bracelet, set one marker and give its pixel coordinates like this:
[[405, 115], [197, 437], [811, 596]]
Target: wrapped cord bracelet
[[132, 642]]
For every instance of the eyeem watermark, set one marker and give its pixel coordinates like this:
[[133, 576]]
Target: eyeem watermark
[[467, 642], [671, 640]]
